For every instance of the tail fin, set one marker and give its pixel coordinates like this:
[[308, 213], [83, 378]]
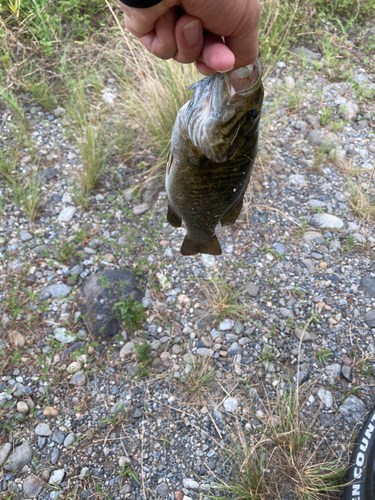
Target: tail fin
[[190, 247]]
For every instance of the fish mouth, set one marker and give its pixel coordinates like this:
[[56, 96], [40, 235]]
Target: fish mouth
[[244, 81]]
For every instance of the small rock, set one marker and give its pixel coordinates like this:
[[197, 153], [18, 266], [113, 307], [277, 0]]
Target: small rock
[[67, 214], [368, 285], [314, 121], [50, 412], [296, 180], [127, 350], [349, 111], [59, 112], [78, 379], [346, 372], [309, 264], [332, 372], [352, 409], [64, 336], [227, 324], [322, 140], [205, 351], [307, 53], [58, 291], [21, 456], [304, 335], [69, 440], [230, 404], [289, 82], [16, 338], [22, 407], [124, 461], [190, 484], [56, 477], [25, 235], [32, 486], [55, 455], [326, 220], [4, 452], [370, 318], [280, 248], [162, 490], [252, 289], [18, 390], [43, 430], [286, 313], [302, 377], [5, 397], [326, 397], [58, 437], [74, 367], [141, 209]]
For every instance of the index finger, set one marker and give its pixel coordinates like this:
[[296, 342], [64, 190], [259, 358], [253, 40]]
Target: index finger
[[141, 21]]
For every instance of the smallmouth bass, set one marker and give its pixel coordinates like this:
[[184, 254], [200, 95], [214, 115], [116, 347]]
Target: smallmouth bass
[[213, 149]]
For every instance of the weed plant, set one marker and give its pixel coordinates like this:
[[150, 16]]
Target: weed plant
[[200, 375]]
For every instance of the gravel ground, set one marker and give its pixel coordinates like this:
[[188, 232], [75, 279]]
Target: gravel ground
[[78, 419]]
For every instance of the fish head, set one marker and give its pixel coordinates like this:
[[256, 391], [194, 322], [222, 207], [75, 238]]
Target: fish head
[[221, 106]]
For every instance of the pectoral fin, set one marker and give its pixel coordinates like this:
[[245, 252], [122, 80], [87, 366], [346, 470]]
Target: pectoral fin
[[173, 219], [232, 215], [190, 247]]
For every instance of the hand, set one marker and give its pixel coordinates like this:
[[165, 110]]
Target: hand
[[219, 35]]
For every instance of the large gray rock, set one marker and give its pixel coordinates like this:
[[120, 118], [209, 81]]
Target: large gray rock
[[352, 409], [332, 372], [322, 140], [368, 285], [21, 456], [98, 296], [32, 486], [349, 111], [370, 318], [326, 220]]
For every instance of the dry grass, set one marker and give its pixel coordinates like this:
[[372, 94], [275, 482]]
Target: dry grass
[[362, 198], [279, 454], [199, 377]]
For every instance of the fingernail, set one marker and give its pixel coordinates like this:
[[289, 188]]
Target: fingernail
[[226, 71], [192, 31]]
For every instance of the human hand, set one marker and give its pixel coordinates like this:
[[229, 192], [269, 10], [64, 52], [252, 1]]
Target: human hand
[[197, 35]]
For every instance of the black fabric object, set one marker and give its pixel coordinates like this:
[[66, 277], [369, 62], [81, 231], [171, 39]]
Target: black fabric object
[[140, 4]]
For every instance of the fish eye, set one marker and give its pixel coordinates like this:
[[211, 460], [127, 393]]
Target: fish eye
[[252, 114]]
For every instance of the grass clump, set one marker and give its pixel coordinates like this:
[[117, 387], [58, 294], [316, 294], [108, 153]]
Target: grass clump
[[130, 312], [362, 199], [224, 298], [144, 360], [200, 375], [279, 456]]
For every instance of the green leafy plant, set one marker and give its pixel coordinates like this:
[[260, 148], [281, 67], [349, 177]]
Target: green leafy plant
[[144, 360], [199, 377], [323, 354], [130, 312]]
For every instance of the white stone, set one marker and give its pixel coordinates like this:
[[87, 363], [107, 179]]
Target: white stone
[[66, 214], [230, 404], [190, 483], [326, 397]]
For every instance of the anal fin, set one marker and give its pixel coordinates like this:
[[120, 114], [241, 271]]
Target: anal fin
[[173, 219], [191, 247], [232, 215]]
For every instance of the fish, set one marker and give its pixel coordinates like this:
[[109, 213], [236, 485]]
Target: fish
[[212, 153]]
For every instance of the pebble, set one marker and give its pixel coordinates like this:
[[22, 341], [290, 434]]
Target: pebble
[[22, 407], [370, 318], [56, 477], [16, 338], [227, 324], [231, 404], [252, 289], [127, 350], [4, 452], [326, 220], [141, 209], [43, 430], [367, 284], [58, 291], [353, 409], [64, 336], [304, 335], [58, 437], [333, 371], [50, 412], [162, 490], [32, 486], [78, 379], [69, 440], [302, 377], [326, 398], [55, 456], [67, 214], [190, 484], [20, 457]]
